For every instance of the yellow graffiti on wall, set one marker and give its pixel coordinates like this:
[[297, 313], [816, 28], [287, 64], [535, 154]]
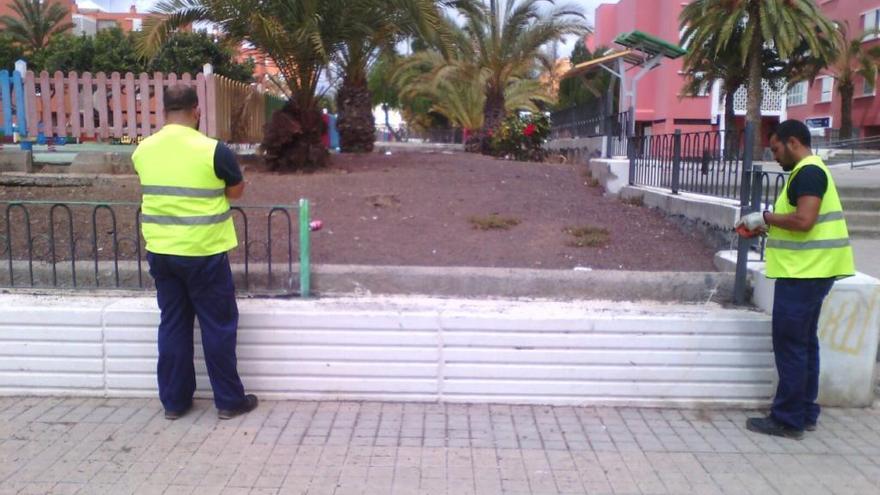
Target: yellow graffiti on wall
[[846, 319]]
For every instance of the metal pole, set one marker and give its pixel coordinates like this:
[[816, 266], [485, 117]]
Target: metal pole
[[742, 252], [676, 161], [630, 149], [304, 248]]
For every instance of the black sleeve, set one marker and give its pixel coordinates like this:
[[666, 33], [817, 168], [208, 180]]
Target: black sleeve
[[809, 181], [226, 166]]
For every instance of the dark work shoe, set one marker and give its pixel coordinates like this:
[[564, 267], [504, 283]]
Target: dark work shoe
[[810, 426], [172, 415], [250, 403], [769, 426]]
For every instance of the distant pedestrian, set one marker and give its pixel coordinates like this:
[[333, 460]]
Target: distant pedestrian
[[807, 249], [186, 180]]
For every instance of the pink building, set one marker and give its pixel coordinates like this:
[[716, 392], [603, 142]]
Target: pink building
[[660, 108], [818, 103]]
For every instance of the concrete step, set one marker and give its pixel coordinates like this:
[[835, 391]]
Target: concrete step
[[858, 192], [864, 232], [861, 204], [862, 218]]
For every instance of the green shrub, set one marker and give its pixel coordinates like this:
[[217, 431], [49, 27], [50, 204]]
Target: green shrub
[[521, 137]]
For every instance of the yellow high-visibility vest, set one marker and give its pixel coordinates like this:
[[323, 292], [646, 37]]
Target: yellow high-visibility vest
[[184, 211], [824, 251]]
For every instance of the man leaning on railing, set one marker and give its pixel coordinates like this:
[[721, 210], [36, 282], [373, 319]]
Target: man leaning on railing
[[187, 180]]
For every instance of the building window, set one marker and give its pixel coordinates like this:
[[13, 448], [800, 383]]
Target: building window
[[137, 24], [797, 94], [827, 90], [106, 24], [868, 87], [871, 22]]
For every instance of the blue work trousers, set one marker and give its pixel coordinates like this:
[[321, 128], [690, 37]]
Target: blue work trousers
[[189, 287], [796, 307]]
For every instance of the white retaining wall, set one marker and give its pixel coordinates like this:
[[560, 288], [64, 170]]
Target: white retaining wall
[[414, 349]]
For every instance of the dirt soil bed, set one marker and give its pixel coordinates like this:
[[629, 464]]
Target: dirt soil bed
[[415, 207]]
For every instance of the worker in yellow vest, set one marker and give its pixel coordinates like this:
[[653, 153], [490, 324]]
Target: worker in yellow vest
[[187, 180], [807, 249]]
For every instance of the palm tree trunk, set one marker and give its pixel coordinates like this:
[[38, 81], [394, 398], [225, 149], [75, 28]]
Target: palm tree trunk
[[846, 99], [356, 124], [755, 91], [493, 115], [292, 137]]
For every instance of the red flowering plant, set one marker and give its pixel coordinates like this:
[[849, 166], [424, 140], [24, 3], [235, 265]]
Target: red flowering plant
[[521, 137]]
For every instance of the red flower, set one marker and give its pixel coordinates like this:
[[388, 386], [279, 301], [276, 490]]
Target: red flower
[[529, 130]]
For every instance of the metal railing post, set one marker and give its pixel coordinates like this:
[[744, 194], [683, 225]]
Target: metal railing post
[[304, 248], [676, 161], [743, 245], [631, 155], [756, 189]]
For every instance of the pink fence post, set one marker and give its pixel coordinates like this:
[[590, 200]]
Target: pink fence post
[[88, 99], [75, 116], [210, 107], [159, 104], [116, 101], [101, 104], [130, 106], [30, 94], [144, 93], [60, 105], [46, 100], [203, 103]]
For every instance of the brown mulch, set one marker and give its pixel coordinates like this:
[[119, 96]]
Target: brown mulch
[[413, 207]]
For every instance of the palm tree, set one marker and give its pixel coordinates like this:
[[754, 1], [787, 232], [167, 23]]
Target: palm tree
[[298, 35], [456, 86], [784, 26], [506, 42], [854, 59], [370, 26], [726, 66], [36, 22]]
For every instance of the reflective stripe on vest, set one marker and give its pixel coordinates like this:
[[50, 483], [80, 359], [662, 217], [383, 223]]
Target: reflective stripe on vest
[[169, 220], [800, 246], [184, 211], [822, 252], [188, 192]]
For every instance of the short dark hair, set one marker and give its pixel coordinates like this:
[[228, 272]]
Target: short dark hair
[[793, 129], [180, 97]]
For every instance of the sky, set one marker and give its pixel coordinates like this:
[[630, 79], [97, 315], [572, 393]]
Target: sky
[[589, 7]]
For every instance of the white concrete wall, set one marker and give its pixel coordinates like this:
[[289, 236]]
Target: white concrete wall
[[849, 332], [612, 173], [422, 349]]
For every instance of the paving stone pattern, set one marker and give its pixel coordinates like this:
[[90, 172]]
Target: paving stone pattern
[[119, 446]]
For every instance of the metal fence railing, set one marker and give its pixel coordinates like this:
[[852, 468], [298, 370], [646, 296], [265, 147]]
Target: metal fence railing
[[717, 164], [406, 135], [92, 245], [857, 152], [707, 163], [577, 122], [590, 120]]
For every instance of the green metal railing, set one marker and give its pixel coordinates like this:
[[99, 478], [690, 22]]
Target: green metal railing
[[82, 245]]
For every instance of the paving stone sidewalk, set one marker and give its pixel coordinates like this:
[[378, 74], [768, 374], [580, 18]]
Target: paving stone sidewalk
[[119, 446]]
